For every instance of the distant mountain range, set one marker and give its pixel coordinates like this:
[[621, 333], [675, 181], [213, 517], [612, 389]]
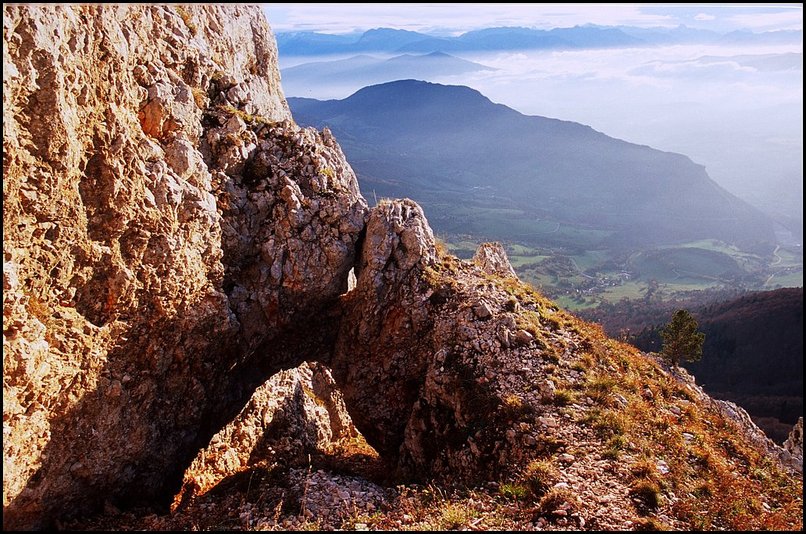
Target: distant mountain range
[[485, 169], [358, 71], [513, 38]]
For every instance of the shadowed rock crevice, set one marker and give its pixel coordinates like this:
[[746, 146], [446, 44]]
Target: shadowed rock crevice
[[397, 246], [415, 329]]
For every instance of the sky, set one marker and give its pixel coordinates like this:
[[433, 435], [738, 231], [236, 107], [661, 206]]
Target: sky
[[726, 107], [458, 18]]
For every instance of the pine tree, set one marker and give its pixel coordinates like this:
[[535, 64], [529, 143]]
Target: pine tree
[[681, 340]]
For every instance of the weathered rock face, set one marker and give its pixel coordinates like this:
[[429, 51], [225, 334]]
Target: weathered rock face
[[444, 346], [492, 258], [167, 235], [294, 413], [172, 242], [386, 311], [794, 444]]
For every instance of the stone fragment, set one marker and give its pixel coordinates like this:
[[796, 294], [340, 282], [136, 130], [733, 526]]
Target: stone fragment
[[492, 258]]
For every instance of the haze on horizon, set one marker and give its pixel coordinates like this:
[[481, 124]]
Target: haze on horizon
[[740, 116]]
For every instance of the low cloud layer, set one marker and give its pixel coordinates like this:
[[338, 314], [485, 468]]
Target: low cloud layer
[[736, 110], [453, 18]]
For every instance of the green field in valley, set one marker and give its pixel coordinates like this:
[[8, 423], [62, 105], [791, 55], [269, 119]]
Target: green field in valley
[[579, 278]]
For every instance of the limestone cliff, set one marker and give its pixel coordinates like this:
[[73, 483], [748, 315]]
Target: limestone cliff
[[175, 250], [161, 245]]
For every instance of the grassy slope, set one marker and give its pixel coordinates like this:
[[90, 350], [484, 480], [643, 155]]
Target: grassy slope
[[715, 479]]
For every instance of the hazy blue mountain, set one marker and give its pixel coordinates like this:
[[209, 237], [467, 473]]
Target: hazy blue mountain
[[367, 70], [590, 36], [492, 39], [387, 39], [452, 148], [335, 67], [587, 36], [376, 40], [667, 36], [513, 38], [489, 39], [313, 43]]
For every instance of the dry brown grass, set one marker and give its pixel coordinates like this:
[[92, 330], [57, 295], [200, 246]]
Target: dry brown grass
[[539, 477]]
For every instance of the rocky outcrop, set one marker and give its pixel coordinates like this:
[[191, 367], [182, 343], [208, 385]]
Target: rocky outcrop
[[293, 414], [444, 348], [794, 444], [753, 434], [168, 233], [492, 258], [398, 246]]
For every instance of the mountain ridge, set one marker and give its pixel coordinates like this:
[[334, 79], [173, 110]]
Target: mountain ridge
[[542, 156], [514, 38]]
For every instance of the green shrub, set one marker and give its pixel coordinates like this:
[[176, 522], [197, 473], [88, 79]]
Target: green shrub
[[513, 491]]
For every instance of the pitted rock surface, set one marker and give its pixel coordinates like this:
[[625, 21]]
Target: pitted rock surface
[[167, 232]]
